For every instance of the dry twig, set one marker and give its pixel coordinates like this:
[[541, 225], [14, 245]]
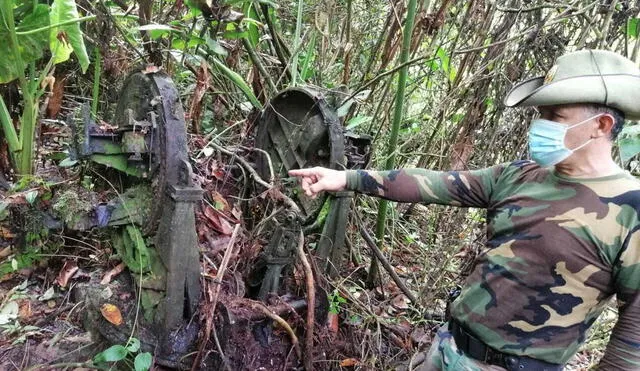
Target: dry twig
[[385, 263], [311, 304], [294, 339], [214, 302], [259, 179]]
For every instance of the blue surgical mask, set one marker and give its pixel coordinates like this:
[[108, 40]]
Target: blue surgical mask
[[546, 141]]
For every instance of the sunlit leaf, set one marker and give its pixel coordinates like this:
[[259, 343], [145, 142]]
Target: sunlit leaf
[[66, 39], [232, 32]]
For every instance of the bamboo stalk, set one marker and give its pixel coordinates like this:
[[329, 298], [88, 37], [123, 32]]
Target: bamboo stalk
[[96, 83], [395, 128], [296, 38], [258, 63]]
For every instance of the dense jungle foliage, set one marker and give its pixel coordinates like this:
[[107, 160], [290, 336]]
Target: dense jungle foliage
[[425, 79]]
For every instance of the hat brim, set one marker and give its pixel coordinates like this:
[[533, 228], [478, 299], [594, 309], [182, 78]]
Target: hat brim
[[534, 92]]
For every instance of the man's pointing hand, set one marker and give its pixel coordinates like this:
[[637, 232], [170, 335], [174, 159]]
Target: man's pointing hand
[[317, 179]]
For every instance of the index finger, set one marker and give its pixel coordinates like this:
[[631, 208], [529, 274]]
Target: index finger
[[301, 172]]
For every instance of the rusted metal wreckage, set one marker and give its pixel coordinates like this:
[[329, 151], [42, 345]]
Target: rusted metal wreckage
[[153, 220]]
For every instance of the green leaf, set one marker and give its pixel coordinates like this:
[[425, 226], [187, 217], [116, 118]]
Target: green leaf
[[133, 345], [357, 121], [216, 48], [344, 108], [250, 17], [114, 353], [67, 162], [143, 361], [28, 48], [9, 312], [156, 31], [3, 210], [629, 147], [31, 46], [309, 56], [178, 44], [193, 7], [48, 295], [232, 32], [633, 26], [31, 197], [238, 81], [629, 142], [66, 39]]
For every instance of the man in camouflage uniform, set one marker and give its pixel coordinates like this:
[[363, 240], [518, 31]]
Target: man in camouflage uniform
[[563, 231]]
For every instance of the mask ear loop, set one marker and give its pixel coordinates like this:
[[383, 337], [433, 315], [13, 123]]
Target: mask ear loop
[[606, 91]]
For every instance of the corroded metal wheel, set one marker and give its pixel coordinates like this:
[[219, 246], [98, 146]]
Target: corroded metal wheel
[[150, 100]]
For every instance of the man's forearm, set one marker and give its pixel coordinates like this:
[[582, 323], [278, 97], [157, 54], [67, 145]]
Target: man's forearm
[[469, 189]]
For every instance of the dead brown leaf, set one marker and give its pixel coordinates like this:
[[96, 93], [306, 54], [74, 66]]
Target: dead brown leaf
[[400, 302], [69, 268], [112, 273], [48, 82], [349, 362], [236, 212], [57, 94], [6, 233], [203, 83], [5, 252], [7, 277], [332, 322], [24, 311], [112, 314], [220, 202], [217, 222]]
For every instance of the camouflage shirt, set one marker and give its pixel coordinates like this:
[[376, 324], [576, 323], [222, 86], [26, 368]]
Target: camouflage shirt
[[557, 249]]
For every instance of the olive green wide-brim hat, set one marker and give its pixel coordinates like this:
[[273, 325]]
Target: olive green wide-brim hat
[[585, 76]]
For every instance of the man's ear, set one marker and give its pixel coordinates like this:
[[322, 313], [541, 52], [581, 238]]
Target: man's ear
[[605, 125]]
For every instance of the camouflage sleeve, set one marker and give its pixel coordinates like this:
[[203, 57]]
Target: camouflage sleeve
[[623, 350], [456, 188]]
